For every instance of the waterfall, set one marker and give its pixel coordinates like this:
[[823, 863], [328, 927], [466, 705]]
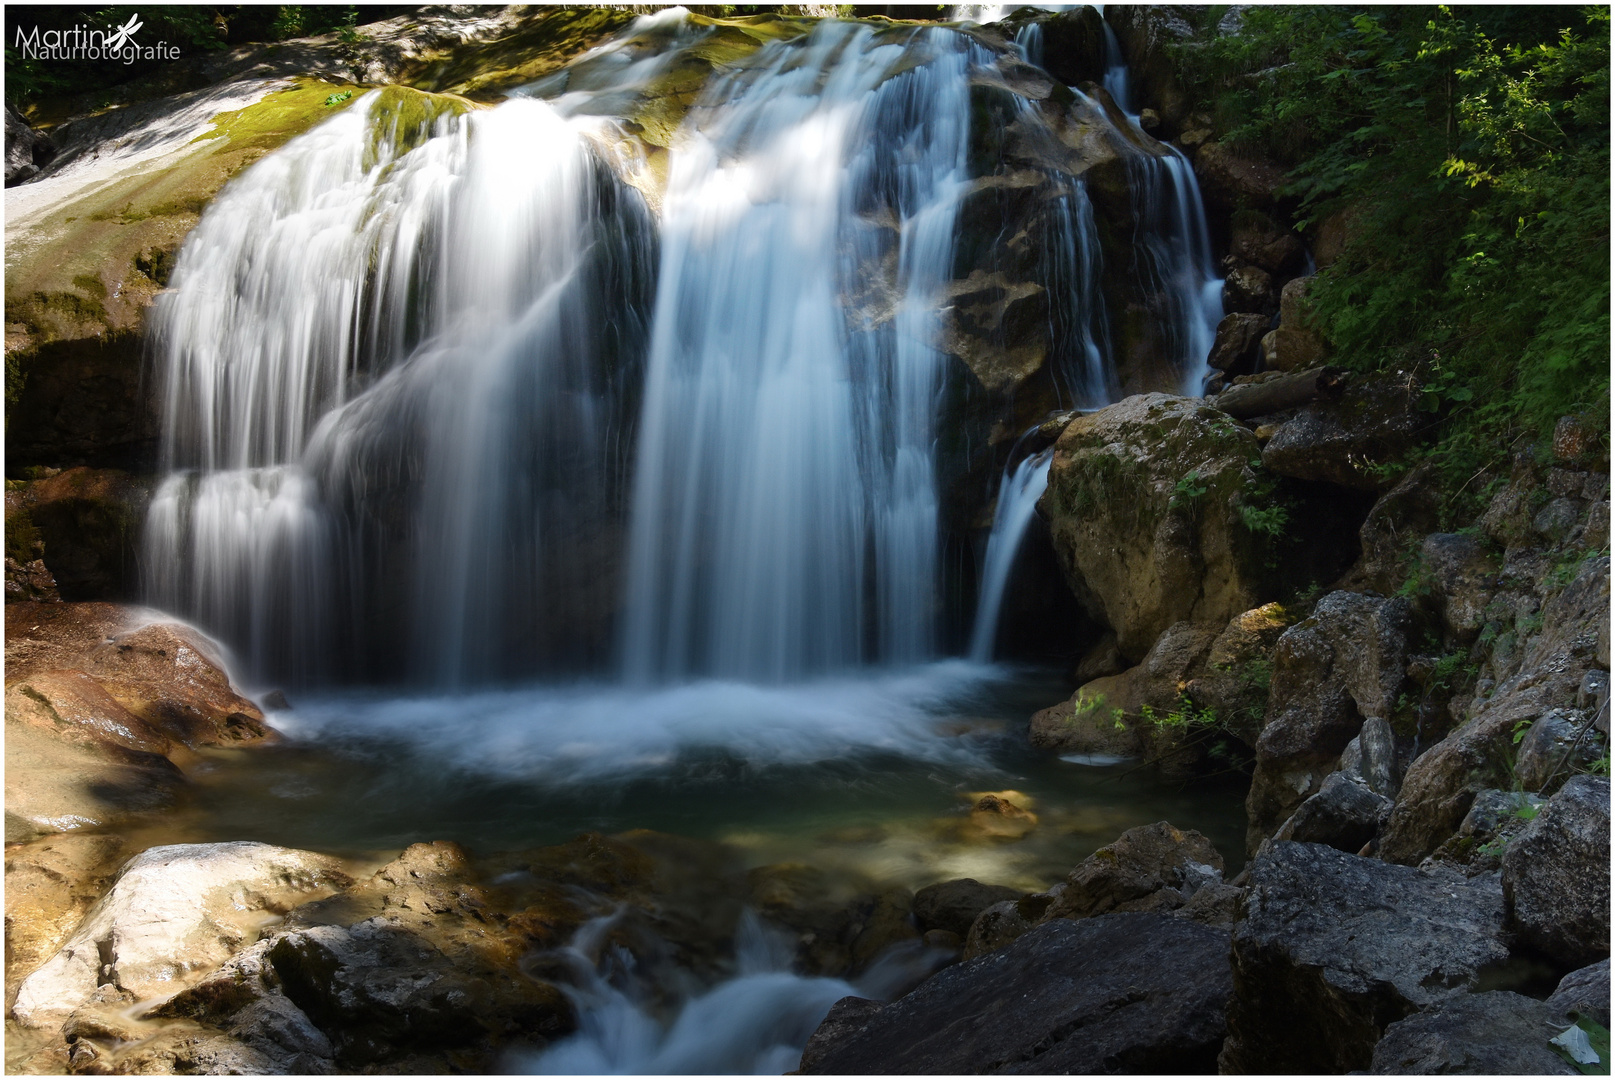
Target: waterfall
[[1172, 249], [785, 508], [446, 401], [393, 392], [1018, 493]]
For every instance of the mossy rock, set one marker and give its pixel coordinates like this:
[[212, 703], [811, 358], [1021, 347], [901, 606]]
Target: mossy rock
[[1143, 503], [80, 275]]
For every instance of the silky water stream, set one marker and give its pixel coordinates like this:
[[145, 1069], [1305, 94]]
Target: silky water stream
[[555, 511]]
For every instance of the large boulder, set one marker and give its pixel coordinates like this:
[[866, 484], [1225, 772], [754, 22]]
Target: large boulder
[[1232, 179], [1346, 662], [1499, 1033], [1143, 503], [26, 149], [1296, 343], [1136, 993], [1334, 948], [1585, 990], [1254, 237], [173, 914], [168, 675], [1344, 814], [1348, 441], [1556, 875]]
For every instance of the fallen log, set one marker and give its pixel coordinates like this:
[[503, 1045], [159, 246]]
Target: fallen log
[[1246, 400]]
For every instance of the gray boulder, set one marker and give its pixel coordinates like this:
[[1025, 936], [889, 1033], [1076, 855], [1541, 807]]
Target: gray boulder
[[1496, 1033], [1333, 948], [1556, 875], [1462, 575], [1344, 814], [1559, 744], [1341, 441], [1345, 663], [1128, 992], [1586, 991]]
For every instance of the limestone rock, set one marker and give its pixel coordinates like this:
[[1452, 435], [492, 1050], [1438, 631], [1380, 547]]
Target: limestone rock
[[1401, 515], [1344, 814], [1087, 723], [1462, 574], [174, 912], [1441, 784], [1561, 742], [1556, 875], [1496, 1033], [1142, 503], [1233, 683], [1249, 290], [954, 905], [1149, 868], [1341, 442], [30, 581], [1348, 661], [1334, 948], [1117, 993], [1007, 920], [1585, 990], [50, 884], [1230, 179], [1237, 344], [26, 149]]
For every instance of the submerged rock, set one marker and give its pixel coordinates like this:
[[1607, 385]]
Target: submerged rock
[[1118, 993], [1333, 948]]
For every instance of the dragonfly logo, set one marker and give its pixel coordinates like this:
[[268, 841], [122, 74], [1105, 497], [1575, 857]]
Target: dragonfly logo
[[125, 34], [84, 43]]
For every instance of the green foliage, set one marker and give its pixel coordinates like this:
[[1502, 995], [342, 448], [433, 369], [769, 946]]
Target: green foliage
[[337, 99], [1597, 1038], [23, 541], [1187, 491], [1470, 147]]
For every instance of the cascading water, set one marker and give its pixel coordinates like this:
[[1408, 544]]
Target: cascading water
[[390, 381], [449, 403], [785, 507], [1018, 493]]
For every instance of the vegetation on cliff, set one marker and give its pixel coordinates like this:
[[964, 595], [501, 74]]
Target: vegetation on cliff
[[1463, 154]]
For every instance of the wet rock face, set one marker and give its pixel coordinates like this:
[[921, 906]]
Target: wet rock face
[[1142, 503], [1117, 993], [1499, 1032], [27, 150], [89, 523], [1333, 948], [1556, 875]]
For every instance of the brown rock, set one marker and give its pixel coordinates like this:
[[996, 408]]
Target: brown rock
[[1249, 289], [1149, 868], [50, 884], [1239, 337], [1232, 180], [1139, 504], [1254, 237]]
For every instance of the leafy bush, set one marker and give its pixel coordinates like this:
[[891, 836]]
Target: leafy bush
[[1471, 147]]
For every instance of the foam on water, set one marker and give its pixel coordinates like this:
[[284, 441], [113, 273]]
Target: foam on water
[[586, 734]]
